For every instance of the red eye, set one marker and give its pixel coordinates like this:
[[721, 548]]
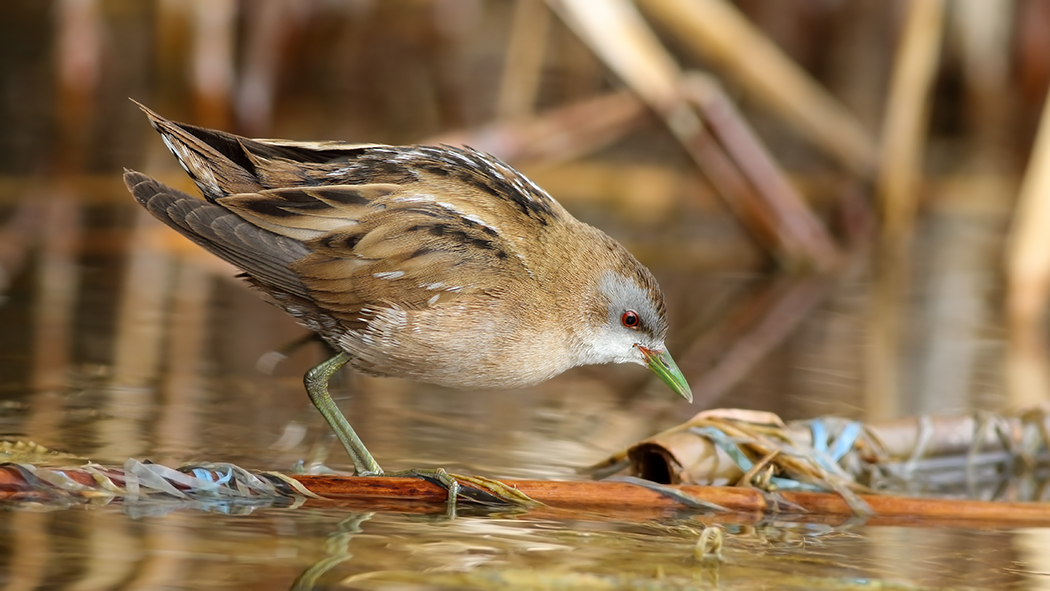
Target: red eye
[[630, 319]]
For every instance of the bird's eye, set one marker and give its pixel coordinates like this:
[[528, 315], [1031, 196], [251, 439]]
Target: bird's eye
[[630, 319]]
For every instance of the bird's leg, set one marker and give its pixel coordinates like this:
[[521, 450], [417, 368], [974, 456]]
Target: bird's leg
[[316, 382]]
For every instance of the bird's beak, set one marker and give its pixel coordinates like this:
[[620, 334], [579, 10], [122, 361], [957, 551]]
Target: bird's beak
[[662, 365]]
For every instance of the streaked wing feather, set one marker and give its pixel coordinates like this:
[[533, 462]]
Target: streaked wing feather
[[406, 226], [261, 254], [307, 212], [409, 253]]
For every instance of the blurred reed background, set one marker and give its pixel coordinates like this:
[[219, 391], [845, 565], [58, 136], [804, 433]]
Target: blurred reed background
[[841, 198]]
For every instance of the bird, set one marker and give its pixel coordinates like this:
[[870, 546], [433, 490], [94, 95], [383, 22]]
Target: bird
[[439, 264]]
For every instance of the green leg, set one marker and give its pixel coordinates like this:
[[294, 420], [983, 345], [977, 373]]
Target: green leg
[[316, 382]]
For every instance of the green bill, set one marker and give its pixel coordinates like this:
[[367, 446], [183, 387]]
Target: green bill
[[664, 366]]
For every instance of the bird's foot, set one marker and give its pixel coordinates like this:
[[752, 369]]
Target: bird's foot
[[477, 489]]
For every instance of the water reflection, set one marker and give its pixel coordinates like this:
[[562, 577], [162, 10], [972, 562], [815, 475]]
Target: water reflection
[[118, 341], [138, 346], [304, 548]]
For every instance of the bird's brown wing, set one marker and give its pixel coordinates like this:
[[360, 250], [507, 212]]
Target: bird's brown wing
[[265, 255], [222, 163], [378, 245], [474, 183]]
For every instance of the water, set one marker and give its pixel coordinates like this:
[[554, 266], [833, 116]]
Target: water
[[330, 549], [119, 341]]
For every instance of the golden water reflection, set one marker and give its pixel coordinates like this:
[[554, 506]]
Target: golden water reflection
[[117, 340], [279, 549], [131, 343]]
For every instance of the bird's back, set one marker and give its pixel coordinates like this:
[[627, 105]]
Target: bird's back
[[359, 241]]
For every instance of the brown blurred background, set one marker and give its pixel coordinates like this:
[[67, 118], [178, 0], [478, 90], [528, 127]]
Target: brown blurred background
[[869, 270]]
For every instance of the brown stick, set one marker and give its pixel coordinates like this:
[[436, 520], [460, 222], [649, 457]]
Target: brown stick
[[559, 134], [523, 64], [907, 109], [622, 497], [717, 32], [797, 223], [756, 325], [619, 36], [1028, 276], [619, 499]]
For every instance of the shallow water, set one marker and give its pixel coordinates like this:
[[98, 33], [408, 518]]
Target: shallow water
[[273, 549], [120, 341]]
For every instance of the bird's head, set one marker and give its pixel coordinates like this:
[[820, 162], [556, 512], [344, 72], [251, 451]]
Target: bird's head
[[628, 324]]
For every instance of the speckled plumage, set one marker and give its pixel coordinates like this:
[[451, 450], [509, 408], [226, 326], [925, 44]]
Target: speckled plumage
[[438, 264]]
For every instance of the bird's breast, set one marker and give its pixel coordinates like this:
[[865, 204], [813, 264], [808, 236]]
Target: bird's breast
[[463, 345]]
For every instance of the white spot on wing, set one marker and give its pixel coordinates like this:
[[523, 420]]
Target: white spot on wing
[[480, 222], [428, 198], [388, 274], [417, 198]]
